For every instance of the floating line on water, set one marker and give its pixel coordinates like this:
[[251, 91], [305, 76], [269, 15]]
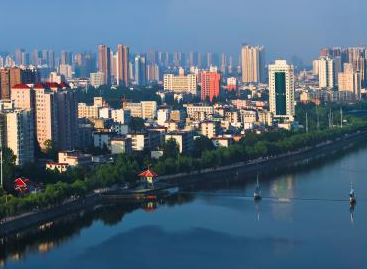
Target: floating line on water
[[279, 199]]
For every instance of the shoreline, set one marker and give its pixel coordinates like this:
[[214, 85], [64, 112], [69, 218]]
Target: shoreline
[[214, 174]]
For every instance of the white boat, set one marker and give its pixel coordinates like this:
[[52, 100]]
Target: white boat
[[257, 192], [352, 195]]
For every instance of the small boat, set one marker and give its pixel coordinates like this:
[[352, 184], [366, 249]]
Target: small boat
[[257, 192], [352, 195]]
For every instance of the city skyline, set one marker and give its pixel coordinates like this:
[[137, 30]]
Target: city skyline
[[162, 26]]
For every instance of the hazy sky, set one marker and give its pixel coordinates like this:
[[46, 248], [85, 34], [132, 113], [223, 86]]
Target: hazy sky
[[284, 27]]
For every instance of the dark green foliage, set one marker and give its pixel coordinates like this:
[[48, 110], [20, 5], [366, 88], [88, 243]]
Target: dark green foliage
[[136, 124], [202, 144], [170, 149]]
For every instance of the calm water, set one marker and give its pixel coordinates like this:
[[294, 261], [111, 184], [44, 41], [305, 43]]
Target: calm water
[[218, 227]]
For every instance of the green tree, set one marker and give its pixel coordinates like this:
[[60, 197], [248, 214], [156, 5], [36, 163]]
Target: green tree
[[51, 149], [9, 168], [202, 144], [170, 149], [136, 124]]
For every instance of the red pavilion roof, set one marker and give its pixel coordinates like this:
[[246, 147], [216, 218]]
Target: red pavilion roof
[[148, 173], [21, 182]]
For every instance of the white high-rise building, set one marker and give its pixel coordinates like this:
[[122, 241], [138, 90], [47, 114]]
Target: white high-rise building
[[281, 89], [315, 67], [253, 64], [350, 81], [326, 73], [180, 84], [17, 131]]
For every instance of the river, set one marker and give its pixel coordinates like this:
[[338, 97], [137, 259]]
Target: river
[[304, 221]]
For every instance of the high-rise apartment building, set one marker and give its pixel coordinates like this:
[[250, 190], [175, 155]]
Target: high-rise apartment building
[[104, 63], [17, 131], [8, 78], [153, 73], [123, 77], [210, 85], [326, 72], [55, 112], [140, 70], [360, 65], [35, 58], [67, 115], [66, 57], [43, 102], [350, 81], [253, 64], [180, 84], [281, 90], [18, 56]]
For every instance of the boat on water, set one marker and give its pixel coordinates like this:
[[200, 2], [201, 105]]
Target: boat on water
[[257, 192], [352, 195]]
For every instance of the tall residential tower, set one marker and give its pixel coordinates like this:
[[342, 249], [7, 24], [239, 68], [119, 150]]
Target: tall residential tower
[[281, 90], [253, 64]]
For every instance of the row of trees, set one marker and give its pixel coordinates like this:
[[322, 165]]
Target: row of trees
[[75, 183], [251, 147]]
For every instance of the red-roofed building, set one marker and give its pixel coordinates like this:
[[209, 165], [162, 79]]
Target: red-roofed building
[[24, 185], [21, 86]]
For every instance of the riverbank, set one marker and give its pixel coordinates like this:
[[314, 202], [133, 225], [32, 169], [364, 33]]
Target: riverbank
[[262, 164], [182, 179]]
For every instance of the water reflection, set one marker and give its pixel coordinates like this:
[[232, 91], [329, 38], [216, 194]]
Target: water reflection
[[44, 238], [140, 246], [284, 187], [258, 209], [194, 248], [351, 210]]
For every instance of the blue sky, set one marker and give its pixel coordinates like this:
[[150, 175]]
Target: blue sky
[[284, 27]]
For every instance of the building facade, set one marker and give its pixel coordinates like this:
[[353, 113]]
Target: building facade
[[180, 84], [253, 64], [281, 89], [104, 63], [210, 85]]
